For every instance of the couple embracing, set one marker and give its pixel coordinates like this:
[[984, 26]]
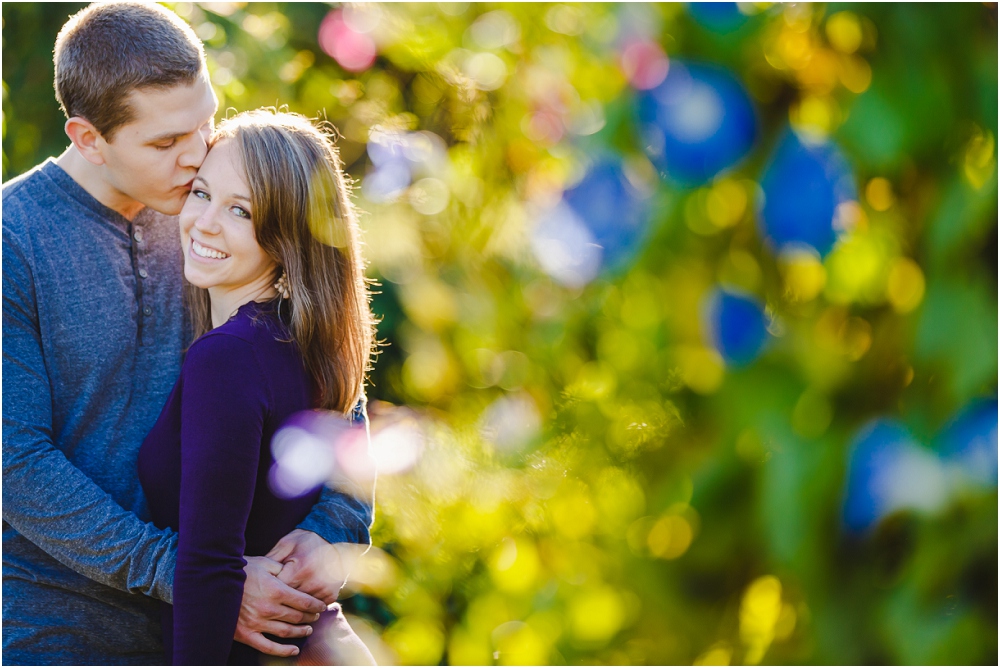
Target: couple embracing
[[172, 293]]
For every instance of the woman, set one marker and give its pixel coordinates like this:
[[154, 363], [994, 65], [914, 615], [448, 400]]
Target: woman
[[271, 245]]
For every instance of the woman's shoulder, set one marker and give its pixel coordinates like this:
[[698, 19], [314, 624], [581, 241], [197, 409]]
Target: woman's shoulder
[[221, 349], [253, 337], [227, 360], [254, 323]]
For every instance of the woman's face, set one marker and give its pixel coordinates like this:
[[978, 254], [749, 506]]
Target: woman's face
[[217, 235]]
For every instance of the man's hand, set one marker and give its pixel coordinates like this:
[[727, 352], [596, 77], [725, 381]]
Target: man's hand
[[311, 565], [271, 606]]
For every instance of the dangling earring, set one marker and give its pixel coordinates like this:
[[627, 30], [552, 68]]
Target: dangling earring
[[282, 286]]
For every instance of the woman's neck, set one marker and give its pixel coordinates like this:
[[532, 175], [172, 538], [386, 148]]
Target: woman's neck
[[226, 301]]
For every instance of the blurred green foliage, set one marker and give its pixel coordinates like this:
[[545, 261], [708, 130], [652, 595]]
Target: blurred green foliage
[[579, 477]]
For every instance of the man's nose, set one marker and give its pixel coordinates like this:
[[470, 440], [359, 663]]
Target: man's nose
[[196, 150]]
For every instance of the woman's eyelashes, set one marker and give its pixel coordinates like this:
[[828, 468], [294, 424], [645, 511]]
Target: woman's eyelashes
[[236, 210]]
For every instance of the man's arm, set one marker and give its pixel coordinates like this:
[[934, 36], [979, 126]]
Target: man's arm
[[345, 510], [315, 557], [45, 497], [61, 510], [340, 518]]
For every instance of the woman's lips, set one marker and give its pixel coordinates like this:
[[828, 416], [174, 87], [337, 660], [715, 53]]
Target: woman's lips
[[203, 252]]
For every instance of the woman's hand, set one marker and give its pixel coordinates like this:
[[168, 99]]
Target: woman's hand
[[311, 565], [272, 606]]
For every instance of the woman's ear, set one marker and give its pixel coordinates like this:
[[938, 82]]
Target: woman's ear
[[85, 138]]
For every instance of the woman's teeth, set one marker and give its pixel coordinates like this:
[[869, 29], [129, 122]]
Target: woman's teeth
[[202, 251]]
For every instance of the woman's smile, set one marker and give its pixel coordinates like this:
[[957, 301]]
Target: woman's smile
[[202, 251]]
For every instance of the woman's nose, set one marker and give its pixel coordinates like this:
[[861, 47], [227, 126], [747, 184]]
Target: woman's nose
[[206, 222]]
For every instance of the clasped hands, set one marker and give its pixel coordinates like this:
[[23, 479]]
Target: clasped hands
[[287, 589]]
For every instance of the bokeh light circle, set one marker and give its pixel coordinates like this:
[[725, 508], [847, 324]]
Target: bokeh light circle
[[887, 472], [803, 185], [614, 210], [697, 123], [717, 17], [737, 325], [644, 64], [564, 247], [354, 51], [969, 443]]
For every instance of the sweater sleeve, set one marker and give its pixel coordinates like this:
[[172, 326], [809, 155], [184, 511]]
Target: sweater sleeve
[[346, 515], [223, 405], [46, 498]]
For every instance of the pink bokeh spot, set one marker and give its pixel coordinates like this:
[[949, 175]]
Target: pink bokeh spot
[[645, 64], [354, 51], [546, 126]]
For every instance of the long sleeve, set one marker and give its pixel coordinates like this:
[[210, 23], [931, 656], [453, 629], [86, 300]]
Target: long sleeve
[[345, 515], [46, 498], [223, 406], [340, 518]]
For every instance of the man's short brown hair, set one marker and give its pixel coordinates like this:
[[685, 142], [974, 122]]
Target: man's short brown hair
[[107, 50]]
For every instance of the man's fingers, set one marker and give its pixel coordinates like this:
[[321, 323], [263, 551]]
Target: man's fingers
[[325, 594], [322, 592], [270, 565], [305, 580], [293, 616], [298, 600], [291, 573], [282, 630], [282, 550], [262, 644]]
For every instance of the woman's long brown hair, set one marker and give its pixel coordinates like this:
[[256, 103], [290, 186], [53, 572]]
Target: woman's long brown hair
[[303, 218]]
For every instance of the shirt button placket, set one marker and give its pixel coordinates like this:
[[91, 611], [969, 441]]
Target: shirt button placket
[[143, 294]]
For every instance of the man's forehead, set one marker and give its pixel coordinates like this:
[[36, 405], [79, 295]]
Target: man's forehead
[[176, 110]]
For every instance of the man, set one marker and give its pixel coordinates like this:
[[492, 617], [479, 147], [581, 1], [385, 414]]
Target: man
[[93, 333]]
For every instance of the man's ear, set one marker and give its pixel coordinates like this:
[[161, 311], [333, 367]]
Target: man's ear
[[86, 139]]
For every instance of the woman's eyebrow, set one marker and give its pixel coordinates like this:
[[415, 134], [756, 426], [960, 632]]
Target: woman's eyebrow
[[199, 177]]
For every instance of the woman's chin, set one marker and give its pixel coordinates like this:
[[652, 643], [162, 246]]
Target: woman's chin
[[197, 279]]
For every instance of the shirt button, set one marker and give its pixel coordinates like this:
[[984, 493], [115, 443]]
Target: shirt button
[[138, 235], [143, 273], [147, 310]]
